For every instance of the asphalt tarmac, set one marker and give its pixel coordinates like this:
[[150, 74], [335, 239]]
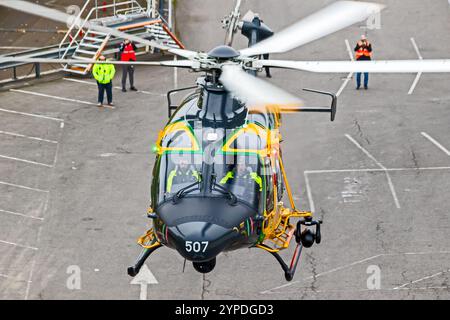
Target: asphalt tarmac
[[75, 179]]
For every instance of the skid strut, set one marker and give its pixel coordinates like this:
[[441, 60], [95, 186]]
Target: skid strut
[[289, 272], [145, 253]]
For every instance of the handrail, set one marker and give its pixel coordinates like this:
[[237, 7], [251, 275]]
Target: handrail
[[72, 26], [85, 20]]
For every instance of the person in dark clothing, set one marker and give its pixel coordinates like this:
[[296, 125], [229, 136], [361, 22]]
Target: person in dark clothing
[[127, 52], [363, 51]]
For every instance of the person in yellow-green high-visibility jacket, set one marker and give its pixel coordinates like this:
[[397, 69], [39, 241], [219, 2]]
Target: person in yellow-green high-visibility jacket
[[104, 74], [182, 174], [242, 175]]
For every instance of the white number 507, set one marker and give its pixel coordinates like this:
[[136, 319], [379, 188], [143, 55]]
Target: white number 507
[[196, 246]]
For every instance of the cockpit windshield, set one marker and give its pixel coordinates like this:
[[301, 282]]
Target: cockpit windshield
[[232, 165]]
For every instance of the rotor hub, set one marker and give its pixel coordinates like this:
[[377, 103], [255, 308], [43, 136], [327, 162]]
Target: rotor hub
[[223, 52]]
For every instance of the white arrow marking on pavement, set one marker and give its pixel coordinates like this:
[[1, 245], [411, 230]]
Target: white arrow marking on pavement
[[144, 278]]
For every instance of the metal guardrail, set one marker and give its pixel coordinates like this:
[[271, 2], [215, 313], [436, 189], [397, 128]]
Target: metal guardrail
[[51, 52]]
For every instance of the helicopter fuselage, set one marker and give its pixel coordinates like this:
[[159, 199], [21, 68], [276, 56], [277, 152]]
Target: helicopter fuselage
[[213, 175]]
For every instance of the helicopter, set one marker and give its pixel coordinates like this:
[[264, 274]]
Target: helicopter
[[219, 177]]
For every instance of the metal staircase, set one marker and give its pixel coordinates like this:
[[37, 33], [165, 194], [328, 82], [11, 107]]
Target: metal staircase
[[126, 16], [89, 48]]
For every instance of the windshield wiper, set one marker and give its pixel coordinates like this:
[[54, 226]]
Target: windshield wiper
[[231, 196], [184, 191]]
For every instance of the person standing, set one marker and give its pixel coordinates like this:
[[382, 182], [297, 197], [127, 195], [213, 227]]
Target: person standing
[[127, 51], [363, 51], [104, 74]]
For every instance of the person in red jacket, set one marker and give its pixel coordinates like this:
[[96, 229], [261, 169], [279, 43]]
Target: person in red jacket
[[127, 51], [363, 51]]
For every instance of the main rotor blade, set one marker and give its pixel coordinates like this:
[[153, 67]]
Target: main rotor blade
[[256, 93], [379, 66], [52, 14], [335, 17], [169, 63]]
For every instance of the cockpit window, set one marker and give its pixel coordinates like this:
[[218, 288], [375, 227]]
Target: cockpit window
[[177, 136], [178, 171], [249, 139]]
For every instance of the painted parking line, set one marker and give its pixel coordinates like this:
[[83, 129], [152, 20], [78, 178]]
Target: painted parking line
[[422, 279], [346, 266], [13, 134], [388, 176], [30, 115], [437, 144], [376, 170], [22, 187], [27, 161], [116, 87], [18, 245], [350, 75], [57, 97], [312, 208], [23, 215], [11, 278], [416, 80]]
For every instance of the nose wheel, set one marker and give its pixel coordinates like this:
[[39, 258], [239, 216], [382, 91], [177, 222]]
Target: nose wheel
[[205, 267]]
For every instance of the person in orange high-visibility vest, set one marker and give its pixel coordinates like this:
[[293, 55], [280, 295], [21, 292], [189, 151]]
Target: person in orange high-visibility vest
[[363, 51], [127, 51]]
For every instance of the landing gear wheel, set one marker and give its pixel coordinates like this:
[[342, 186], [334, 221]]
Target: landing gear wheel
[[307, 238], [205, 267], [132, 272]]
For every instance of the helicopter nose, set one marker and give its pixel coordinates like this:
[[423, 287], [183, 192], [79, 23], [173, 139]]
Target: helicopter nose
[[201, 241]]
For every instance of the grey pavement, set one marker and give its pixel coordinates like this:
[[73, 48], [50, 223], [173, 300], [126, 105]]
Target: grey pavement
[[78, 196]]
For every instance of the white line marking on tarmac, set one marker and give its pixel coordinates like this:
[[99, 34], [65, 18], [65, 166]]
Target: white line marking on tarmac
[[56, 97], [27, 137], [376, 170], [421, 279], [47, 200], [416, 48], [31, 114], [350, 75], [270, 291], [349, 50], [26, 161], [18, 245], [437, 144], [20, 214], [416, 80], [322, 274], [116, 87], [388, 176], [22, 187], [387, 290], [11, 278], [61, 125], [309, 192]]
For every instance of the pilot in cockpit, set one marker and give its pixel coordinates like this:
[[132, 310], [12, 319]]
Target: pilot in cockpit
[[182, 175], [243, 176]]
